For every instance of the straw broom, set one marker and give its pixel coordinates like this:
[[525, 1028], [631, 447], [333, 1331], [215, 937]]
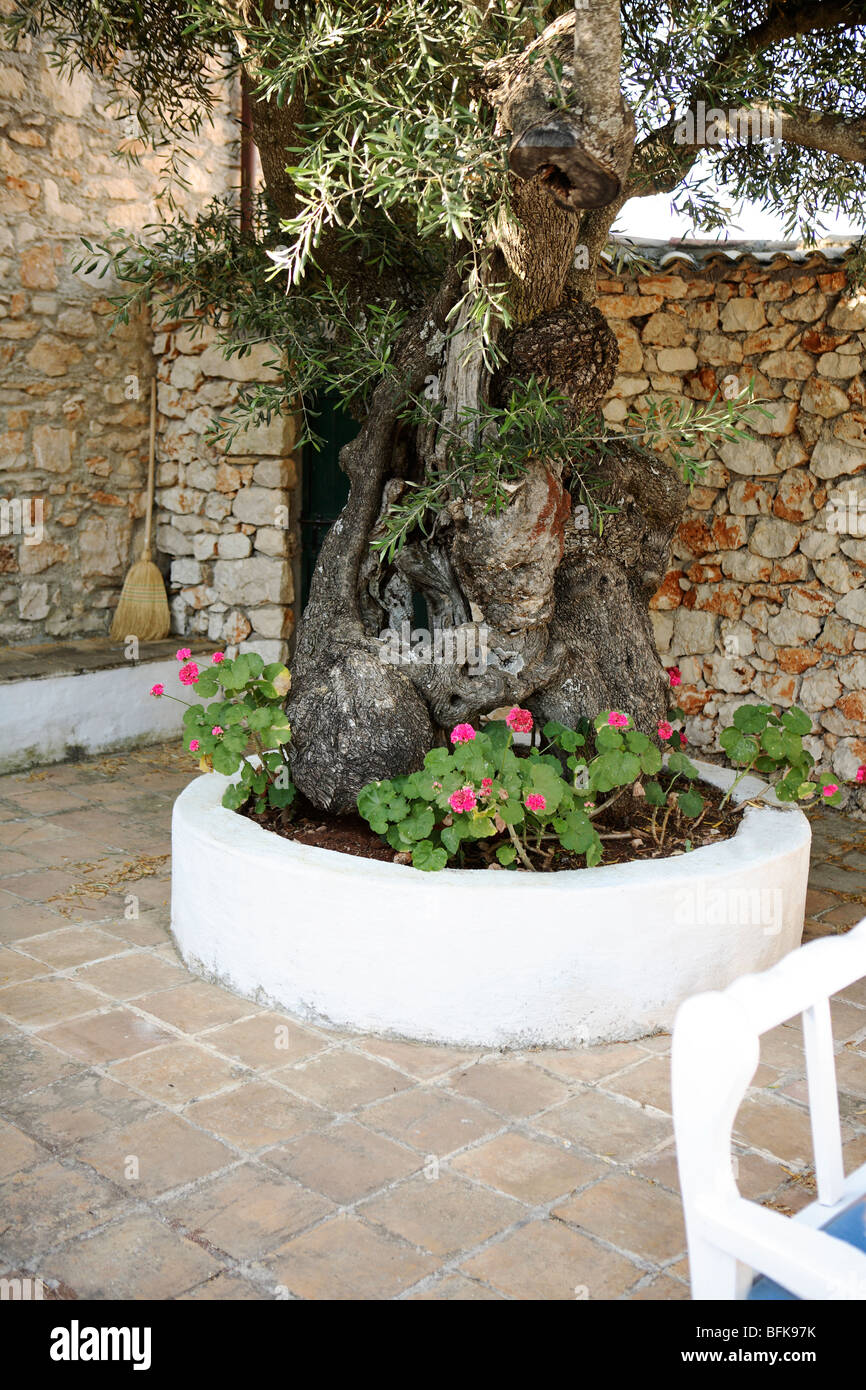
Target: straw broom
[[143, 608]]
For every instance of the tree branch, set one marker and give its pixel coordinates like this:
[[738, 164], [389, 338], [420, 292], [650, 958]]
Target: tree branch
[[791, 22], [808, 129], [561, 100]]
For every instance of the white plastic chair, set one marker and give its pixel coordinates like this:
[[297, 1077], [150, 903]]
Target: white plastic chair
[[716, 1050]]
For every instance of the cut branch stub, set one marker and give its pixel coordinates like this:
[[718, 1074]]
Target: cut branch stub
[[561, 101], [574, 177]]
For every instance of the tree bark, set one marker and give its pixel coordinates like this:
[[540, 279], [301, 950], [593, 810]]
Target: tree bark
[[557, 613]]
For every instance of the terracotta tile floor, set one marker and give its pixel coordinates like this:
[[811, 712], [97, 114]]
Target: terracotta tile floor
[[160, 1138]]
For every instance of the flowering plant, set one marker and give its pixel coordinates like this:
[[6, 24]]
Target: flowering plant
[[248, 718], [553, 795], [483, 789]]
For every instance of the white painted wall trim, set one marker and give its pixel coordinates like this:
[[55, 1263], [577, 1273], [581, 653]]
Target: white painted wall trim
[[57, 717]]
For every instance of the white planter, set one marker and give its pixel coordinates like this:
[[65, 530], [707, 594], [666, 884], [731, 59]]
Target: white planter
[[474, 957]]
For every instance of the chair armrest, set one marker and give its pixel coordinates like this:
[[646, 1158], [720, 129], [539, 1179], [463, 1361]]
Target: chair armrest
[[810, 1263]]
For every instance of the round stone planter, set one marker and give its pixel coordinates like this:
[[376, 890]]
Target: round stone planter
[[479, 958]]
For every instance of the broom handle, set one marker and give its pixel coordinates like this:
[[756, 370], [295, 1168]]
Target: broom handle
[[148, 521]]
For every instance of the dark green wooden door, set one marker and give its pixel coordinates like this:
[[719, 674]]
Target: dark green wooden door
[[325, 489], [325, 486]]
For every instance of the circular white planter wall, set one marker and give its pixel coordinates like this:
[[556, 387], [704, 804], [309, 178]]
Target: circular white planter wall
[[475, 957]]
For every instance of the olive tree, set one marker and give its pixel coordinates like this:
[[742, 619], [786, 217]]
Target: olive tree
[[441, 178]]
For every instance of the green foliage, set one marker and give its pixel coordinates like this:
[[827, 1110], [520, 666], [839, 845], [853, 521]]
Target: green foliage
[[770, 745], [250, 718], [483, 789], [397, 167], [521, 803], [487, 453], [679, 425]]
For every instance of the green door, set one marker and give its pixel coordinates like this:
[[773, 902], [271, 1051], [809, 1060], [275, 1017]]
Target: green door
[[325, 486], [325, 489]]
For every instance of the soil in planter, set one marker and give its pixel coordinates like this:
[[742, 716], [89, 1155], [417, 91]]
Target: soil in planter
[[626, 827]]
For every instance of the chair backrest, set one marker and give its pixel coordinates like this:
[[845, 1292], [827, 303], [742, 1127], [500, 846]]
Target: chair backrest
[[716, 1050]]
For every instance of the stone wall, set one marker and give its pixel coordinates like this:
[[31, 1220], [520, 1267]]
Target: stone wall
[[73, 393], [766, 596], [765, 600], [224, 516]]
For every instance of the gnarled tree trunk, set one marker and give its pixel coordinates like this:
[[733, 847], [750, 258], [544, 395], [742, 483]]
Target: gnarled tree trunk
[[562, 610]]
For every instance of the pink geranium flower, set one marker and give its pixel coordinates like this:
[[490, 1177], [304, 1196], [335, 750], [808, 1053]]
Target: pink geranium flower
[[674, 675], [183, 654], [519, 720], [860, 775], [617, 720], [683, 739], [194, 745], [830, 789], [160, 690], [665, 729], [462, 800], [217, 729], [486, 786], [218, 657], [462, 733], [535, 802], [188, 675]]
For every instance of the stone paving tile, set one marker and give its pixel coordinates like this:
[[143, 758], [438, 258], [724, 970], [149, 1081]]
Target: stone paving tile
[[512, 1088], [27, 1062], [455, 1288], [46, 1205], [851, 1073], [71, 946], [782, 1048], [756, 1177], [225, 1288], [15, 967], [546, 1260], [649, 1083], [345, 1259], [40, 886], [854, 1153], [423, 1060], [342, 1080], [19, 920], [534, 1170], [195, 1006], [76, 1108], [849, 1021], [149, 929], [246, 1212], [614, 1129], [544, 1174], [266, 1041], [136, 1258], [442, 1213], [589, 1064], [128, 977], [177, 1073], [661, 1290], [432, 1121], [18, 1151], [39, 1003], [108, 1036], [632, 1214], [767, 1123], [346, 1162], [257, 1115], [154, 1155]]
